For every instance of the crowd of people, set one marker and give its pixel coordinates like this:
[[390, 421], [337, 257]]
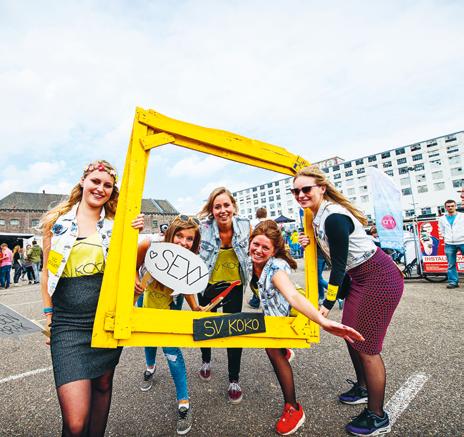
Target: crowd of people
[[26, 264], [76, 237]]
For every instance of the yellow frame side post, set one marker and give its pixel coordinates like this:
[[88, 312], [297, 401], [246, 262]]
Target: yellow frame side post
[[117, 322]]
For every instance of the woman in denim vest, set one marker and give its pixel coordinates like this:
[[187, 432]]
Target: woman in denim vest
[[224, 248], [76, 236], [374, 285]]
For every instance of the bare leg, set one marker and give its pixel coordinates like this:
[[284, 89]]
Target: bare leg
[[74, 399], [284, 373], [374, 371], [102, 388]]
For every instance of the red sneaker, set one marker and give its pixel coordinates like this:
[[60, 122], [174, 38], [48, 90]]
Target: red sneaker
[[290, 420], [205, 371], [289, 355], [235, 393]]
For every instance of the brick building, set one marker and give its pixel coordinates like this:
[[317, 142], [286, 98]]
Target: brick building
[[20, 214]]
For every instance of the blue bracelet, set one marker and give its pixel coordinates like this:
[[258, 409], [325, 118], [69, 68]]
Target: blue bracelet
[[48, 310]]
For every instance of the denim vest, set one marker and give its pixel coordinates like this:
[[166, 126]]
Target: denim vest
[[64, 234], [211, 243], [360, 245]]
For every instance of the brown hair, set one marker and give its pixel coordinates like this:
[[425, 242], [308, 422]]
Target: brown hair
[[177, 225], [207, 210], [331, 193], [450, 201], [50, 217], [269, 229], [261, 213]]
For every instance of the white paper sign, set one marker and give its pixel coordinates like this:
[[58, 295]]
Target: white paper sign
[[176, 267]]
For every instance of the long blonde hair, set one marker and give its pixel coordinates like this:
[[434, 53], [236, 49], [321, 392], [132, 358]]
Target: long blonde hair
[[50, 217], [331, 193], [207, 210]]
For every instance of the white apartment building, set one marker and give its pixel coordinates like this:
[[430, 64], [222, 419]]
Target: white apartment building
[[428, 173]]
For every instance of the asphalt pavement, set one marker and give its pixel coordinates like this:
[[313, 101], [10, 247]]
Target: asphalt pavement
[[423, 354]]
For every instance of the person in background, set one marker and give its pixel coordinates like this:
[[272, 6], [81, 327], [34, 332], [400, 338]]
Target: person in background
[[451, 226], [261, 215], [28, 265], [5, 266], [224, 249], [35, 256], [370, 280], [17, 265]]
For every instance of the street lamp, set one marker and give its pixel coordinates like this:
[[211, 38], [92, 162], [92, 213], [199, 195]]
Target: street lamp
[[414, 222]]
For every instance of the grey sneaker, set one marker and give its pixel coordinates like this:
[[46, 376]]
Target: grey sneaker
[[147, 380], [184, 420]]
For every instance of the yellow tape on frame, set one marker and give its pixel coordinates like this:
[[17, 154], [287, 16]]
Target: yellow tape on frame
[[117, 322]]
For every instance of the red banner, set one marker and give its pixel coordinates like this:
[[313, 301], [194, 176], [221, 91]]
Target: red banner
[[433, 249]]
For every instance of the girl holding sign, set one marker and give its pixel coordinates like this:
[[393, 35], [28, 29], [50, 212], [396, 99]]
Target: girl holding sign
[[375, 287], [184, 231], [224, 249], [271, 267], [76, 241]]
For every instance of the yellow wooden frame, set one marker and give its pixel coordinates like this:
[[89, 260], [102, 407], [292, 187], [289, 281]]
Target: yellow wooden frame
[[117, 321]]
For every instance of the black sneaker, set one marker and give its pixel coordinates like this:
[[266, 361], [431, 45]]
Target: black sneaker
[[355, 395], [184, 420], [147, 380], [452, 286], [368, 423]]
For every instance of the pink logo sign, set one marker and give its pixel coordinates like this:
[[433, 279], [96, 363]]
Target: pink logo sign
[[388, 222]]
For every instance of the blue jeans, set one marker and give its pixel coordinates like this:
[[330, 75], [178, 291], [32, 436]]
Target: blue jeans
[[451, 251], [5, 273], [322, 284], [36, 269], [173, 355]]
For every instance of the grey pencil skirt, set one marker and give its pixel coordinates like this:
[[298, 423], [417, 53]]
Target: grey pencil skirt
[[74, 305]]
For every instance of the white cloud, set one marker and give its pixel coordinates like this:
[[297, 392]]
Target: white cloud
[[197, 167]]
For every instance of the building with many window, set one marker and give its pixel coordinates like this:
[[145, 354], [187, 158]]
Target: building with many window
[[428, 172]]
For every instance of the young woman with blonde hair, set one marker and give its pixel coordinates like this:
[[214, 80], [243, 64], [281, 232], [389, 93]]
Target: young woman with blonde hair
[[373, 283], [76, 239]]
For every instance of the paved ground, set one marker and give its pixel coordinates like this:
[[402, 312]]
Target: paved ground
[[424, 344]]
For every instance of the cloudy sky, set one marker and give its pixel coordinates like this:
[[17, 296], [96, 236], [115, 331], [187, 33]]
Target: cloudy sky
[[345, 78]]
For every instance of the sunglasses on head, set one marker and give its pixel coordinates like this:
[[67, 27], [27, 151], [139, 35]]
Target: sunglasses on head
[[304, 190], [188, 218]]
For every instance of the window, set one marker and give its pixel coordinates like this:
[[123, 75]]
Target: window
[[450, 138], [359, 161], [435, 164], [389, 172], [404, 182], [385, 155], [374, 165], [426, 211], [434, 155], [403, 170], [261, 187], [278, 197], [325, 170], [338, 184], [14, 222], [439, 186], [35, 222], [417, 157], [457, 183], [276, 183], [273, 213], [255, 196], [336, 168], [456, 171], [271, 198], [452, 149], [387, 164], [418, 167], [270, 192], [255, 202], [337, 176], [372, 158], [347, 164], [422, 189], [409, 212], [420, 178], [351, 191], [431, 143], [350, 183], [277, 190], [406, 191], [415, 147], [349, 173], [263, 193], [269, 185], [437, 175], [361, 170], [454, 160], [255, 189], [362, 179], [400, 151], [2, 222], [154, 223], [363, 189], [401, 161]]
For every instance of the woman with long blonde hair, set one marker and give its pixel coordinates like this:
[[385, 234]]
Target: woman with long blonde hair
[[373, 286], [76, 237]]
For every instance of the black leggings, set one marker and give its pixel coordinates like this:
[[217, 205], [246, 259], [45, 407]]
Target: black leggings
[[234, 355]]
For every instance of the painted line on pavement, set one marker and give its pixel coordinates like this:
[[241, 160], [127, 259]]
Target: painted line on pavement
[[25, 374], [404, 395]]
